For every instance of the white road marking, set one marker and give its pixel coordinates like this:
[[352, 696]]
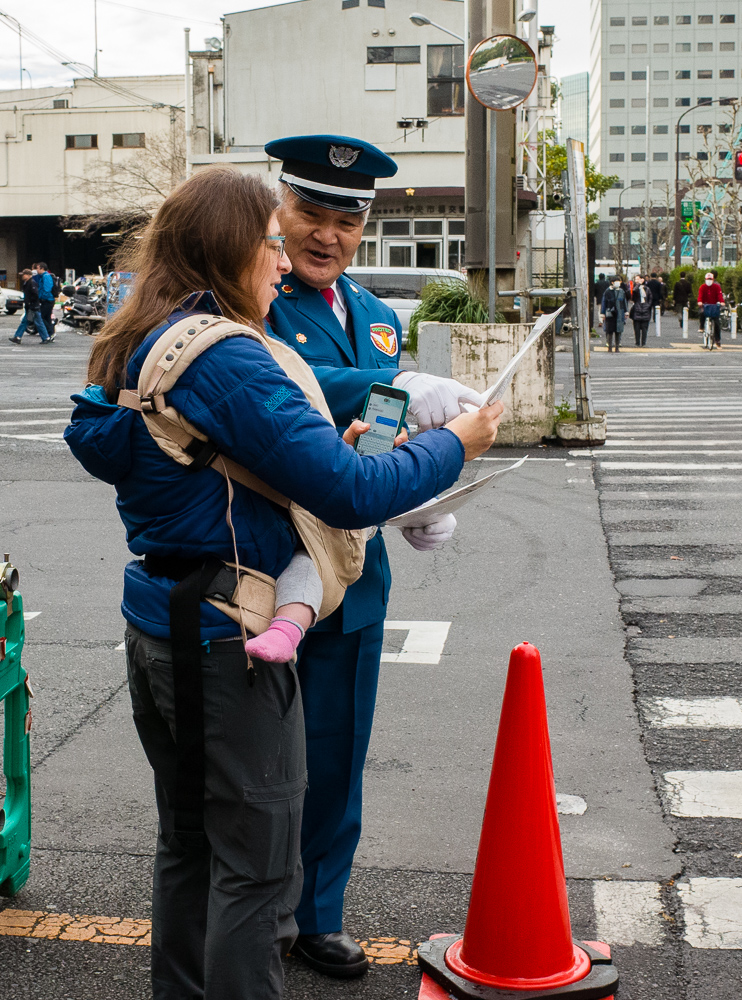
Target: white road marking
[[680, 466], [628, 913], [424, 642], [28, 615], [698, 713], [639, 442], [120, 648], [34, 437], [704, 793], [31, 423], [45, 409], [713, 912], [570, 805]]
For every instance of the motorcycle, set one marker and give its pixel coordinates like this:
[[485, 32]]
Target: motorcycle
[[85, 309]]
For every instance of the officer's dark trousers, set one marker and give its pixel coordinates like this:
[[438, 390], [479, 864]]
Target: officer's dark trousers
[[339, 675], [222, 917]]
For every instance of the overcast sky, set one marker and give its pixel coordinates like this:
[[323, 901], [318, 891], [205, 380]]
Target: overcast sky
[[146, 36]]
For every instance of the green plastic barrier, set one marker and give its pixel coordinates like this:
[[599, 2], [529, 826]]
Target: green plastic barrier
[[15, 814]]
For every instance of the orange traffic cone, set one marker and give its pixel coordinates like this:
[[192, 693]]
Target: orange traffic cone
[[518, 934]]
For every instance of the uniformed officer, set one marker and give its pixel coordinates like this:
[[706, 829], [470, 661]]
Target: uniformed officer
[[352, 340]]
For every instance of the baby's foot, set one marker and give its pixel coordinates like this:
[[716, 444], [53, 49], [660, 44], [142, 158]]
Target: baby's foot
[[277, 644]]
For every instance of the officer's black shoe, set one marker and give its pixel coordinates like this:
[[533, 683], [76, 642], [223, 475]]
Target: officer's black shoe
[[335, 954]]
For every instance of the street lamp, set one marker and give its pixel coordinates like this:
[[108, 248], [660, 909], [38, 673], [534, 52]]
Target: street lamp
[[421, 20], [678, 239], [30, 81]]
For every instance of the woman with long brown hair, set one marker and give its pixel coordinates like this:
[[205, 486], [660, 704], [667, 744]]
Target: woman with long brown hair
[[229, 785]]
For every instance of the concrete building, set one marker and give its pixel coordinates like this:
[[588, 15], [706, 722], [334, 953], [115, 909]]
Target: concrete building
[[575, 108], [651, 62], [61, 147]]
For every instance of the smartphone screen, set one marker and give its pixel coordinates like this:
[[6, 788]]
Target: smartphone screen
[[385, 413]]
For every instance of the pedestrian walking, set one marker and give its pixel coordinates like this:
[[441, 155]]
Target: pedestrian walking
[[599, 288], [681, 295], [613, 313], [710, 301], [45, 284], [659, 290], [32, 311], [641, 310]]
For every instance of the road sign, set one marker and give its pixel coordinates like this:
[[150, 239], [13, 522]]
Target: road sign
[[686, 208]]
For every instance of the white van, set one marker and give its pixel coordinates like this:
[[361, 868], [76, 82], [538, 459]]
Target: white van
[[399, 287]]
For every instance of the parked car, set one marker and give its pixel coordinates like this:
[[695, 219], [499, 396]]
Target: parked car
[[11, 300], [399, 287]]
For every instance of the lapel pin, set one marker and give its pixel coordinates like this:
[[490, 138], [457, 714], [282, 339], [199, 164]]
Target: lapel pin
[[301, 338], [354, 289], [286, 289]]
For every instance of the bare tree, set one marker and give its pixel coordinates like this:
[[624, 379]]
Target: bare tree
[[712, 182], [129, 190]]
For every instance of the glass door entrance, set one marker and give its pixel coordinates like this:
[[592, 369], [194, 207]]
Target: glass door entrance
[[398, 254]]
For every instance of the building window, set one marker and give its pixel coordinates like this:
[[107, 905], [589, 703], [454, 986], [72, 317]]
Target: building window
[[617, 50], [639, 22], [61, 103], [705, 100], [661, 47], [617, 102], [704, 129], [445, 79], [616, 130], [639, 74], [377, 3], [618, 76], [726, 74], [660, 130], [618, 22], [705, 74], [82, 142], [615, 157], [613, 211], [705, 46], [682, 19], [638, 49], [128, 140], [727, 18], [682, 74], [683, 129], [637, 184], [662, 19], [393, 54], [722, 155], [659, 184], [726, 101], [661, 102], [638, 102], [726, 46], [725, 127], [683, 156], [618, 184], [682, 46], [660, 157], [661, 74], [682, 102], [705, 18], [703, 155], [638, 157], [351, 3], [638, 129]]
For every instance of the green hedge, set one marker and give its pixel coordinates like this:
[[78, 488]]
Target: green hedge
[[730, 279], [448, 300]]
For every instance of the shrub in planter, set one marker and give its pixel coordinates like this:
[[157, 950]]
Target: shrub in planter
[[448, 300]]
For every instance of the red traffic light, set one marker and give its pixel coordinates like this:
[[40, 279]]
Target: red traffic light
[[738, 166]]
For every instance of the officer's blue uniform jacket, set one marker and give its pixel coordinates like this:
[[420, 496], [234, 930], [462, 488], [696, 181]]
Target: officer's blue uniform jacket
[[345, 365], [237, 395]]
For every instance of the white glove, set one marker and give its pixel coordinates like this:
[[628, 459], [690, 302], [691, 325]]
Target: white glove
[[433, 535], [433, 400]]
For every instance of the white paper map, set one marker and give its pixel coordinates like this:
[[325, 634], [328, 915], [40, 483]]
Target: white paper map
[[428, 512], [498, 389]]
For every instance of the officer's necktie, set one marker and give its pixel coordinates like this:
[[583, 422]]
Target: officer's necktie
[[328, 295]]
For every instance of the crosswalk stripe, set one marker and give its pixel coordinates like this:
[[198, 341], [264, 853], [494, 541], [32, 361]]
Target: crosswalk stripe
[[698, 713], [698, 794], [628, 913], [712, 908]]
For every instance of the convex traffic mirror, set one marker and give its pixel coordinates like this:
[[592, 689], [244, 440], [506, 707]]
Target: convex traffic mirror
[[501, 72]]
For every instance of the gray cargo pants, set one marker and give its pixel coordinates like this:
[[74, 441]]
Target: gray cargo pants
[[222, 918]]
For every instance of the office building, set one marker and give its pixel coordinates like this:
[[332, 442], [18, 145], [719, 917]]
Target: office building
[[575, 108]]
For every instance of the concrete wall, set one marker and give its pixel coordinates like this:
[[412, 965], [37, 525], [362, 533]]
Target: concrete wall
[[476, 353]]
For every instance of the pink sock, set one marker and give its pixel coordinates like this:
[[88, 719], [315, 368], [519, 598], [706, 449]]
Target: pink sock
[[278, 644]]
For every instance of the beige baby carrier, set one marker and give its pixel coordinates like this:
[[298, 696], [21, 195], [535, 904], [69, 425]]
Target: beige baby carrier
[[337, 554]]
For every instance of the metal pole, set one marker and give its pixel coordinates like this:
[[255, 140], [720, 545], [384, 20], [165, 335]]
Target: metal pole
[[492, 235], [657, 321], [20, 54], [187, 32], [211, 109], [95, 21], [647, 235], [686, 313]]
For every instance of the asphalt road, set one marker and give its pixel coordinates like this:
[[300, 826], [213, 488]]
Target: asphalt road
[[570, 553]]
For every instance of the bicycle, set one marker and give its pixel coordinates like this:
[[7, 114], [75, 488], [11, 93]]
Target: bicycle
[[708, 335]]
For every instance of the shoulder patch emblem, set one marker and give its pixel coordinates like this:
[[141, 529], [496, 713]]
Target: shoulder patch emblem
[[301, 338], [278, 397], [384, 339], [343, 156], [286, 289]]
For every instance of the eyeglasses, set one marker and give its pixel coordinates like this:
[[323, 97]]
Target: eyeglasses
[[277, 243]]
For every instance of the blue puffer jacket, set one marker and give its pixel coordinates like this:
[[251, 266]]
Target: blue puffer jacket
[[289, 445]]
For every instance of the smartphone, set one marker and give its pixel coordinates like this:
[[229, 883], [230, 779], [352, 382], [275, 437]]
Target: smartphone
[[385, 410]]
